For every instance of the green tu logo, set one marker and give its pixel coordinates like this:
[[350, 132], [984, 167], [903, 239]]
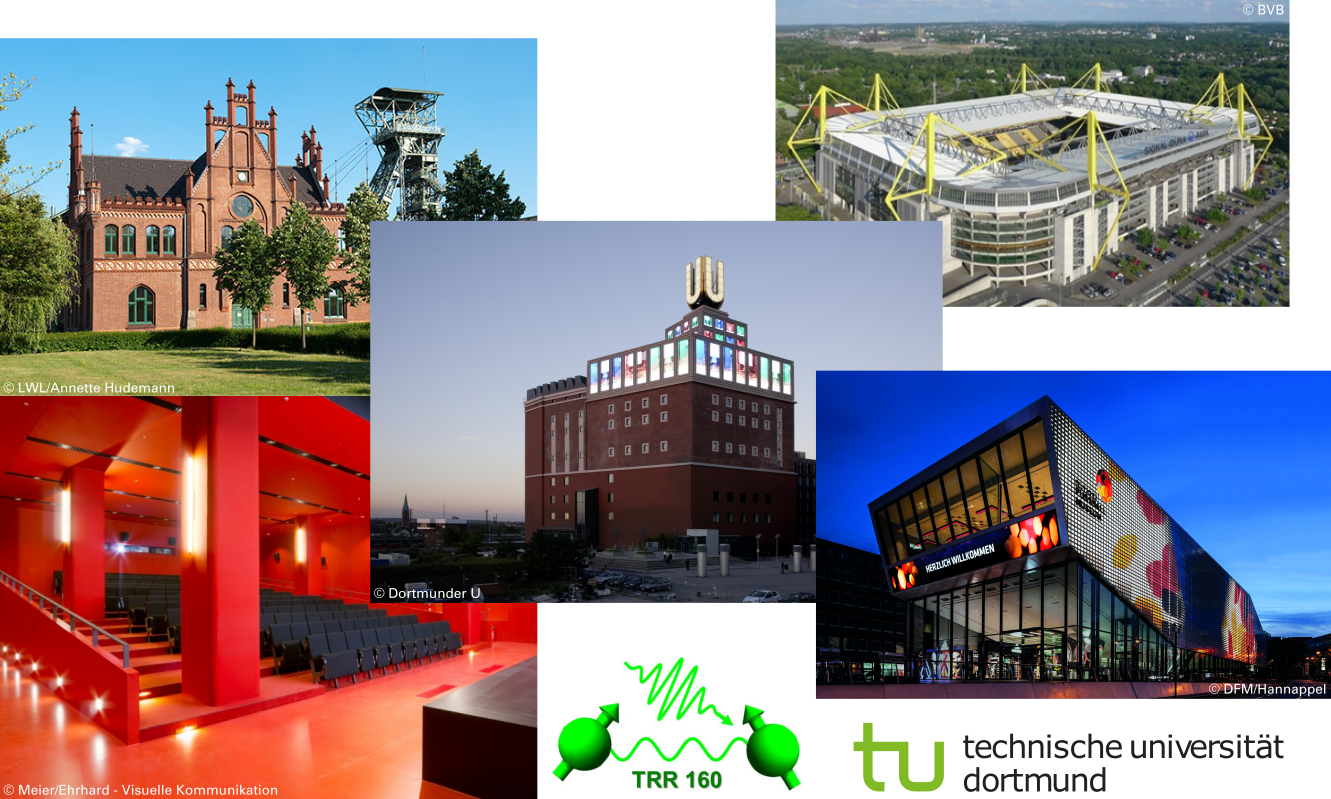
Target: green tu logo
[[868, 746]]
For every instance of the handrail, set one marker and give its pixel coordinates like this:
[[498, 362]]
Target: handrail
[[269, 582], [56, 608], [343, 593]]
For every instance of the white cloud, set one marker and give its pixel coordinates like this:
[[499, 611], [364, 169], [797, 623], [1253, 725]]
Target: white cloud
[[130, 146]]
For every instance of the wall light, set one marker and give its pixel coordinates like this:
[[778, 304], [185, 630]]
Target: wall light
[[187, 500], [300, 544], [97, 704], [64, 514]]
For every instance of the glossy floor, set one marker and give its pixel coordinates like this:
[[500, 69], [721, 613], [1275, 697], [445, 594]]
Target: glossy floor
[[358, 740]]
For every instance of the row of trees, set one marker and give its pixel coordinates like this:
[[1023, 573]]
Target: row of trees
[[300, 249]]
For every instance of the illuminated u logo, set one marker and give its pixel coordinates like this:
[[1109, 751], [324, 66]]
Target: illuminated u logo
[[868, 746], [702, 285]]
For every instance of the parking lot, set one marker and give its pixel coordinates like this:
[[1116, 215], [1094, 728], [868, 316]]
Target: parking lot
[[745, 578]]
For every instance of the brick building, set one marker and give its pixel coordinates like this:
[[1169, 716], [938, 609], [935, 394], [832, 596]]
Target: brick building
[[147, 228], [693, 431], [806, 499], [861, 629]]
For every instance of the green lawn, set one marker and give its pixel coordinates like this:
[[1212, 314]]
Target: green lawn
[[189, 371]]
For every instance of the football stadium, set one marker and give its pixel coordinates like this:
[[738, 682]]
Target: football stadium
[[1039, 183]]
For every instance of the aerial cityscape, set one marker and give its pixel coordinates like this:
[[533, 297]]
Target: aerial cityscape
[[1070, 164]]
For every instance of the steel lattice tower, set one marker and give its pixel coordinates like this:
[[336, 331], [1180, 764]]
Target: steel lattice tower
[[402, 124]]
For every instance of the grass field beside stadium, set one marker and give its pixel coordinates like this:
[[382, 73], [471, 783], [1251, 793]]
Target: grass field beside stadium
[[212, 371]]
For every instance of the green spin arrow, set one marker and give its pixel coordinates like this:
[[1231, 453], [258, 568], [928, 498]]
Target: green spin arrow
[[584, 743], [773, 749]]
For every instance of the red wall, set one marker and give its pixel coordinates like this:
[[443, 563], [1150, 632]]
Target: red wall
[[284, 545], [87, 673], [515, 621], [143, 535], [32, 550], [346, 545]]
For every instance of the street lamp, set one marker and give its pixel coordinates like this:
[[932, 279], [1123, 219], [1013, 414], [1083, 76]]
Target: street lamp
[[757, 547], [777, 547]]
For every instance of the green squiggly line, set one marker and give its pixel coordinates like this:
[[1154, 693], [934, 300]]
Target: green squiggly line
[[680, 751], [663, 685]]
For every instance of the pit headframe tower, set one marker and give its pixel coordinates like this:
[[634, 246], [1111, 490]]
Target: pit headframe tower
[[403, 125]]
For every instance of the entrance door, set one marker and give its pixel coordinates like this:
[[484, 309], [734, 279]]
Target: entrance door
[[241, 318]]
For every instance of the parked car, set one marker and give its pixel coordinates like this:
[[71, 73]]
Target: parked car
[[763, 596], [798, 596], [631, 582], [605, 578], [653, 584]]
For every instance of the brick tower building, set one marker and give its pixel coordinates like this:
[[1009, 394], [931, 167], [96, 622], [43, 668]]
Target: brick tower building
[[147, 228], [694, 431]]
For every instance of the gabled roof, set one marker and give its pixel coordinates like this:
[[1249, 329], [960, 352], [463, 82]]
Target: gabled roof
[[162, 178], [141, 178]]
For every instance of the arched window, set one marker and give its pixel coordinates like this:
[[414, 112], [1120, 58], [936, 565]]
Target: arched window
[[127, 240], [242, 115], [168, 240], [154, 236], [112, 244], [141, 306], [227, 232], [203, 296], [286, 295], [335, 305]]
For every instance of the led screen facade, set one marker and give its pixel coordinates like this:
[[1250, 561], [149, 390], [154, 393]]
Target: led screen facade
[[1145, 555], [677, 357]]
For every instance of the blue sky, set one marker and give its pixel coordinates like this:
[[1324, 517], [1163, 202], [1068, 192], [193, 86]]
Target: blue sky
[[1239, 459], [468, 316], [147, 96], [803, 12]]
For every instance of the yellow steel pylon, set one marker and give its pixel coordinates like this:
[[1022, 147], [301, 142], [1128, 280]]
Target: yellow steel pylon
[[1084, 83], [928, 136], [1019, 86]]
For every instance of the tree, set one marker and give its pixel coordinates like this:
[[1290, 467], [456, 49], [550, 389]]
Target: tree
[[1198, 303], [38, 270], [473, 193], [303, 248], [547, 553], [796, 213], [784, 130], [246, 268], [363, 208], [1145, 237]]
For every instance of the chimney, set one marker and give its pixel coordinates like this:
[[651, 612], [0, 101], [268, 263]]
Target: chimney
[[319, 161], [75, 162], [189, 183], [327, 196], [272, 135], [291, 183], [94, 197], [249, 110]]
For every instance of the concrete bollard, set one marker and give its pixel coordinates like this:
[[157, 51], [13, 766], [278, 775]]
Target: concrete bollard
[[702, 560], [725, 560], [813, 558], [798, 557]]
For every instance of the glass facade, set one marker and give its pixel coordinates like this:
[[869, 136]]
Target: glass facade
[[972, 549], [1050, 623]]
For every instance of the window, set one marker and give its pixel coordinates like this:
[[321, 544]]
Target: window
[[728, 402], [743, 497], [663, 446], [335, 304], [767, 424], [741, 405], [769, 518], [565, 515], [612, 424], [566, 483], [730, 517], [612, 409], [203, 296], [168, 240], [769, 502], [644, 402], [729, 448], [552, 515], [552, 482], [566, 499], [729, 419], [552, 499], [141, 306], [628, 406], [741, 449], [154, 235], [611, 516], [242, 176], [663, 399], [716, 416], [612, 496], [730, 496], [716, 496], [341, 240], [612, 452], [743, 517], [767, 409], [127, 240], [612, 477], [644, 419], [286, 295], [227, 233], [628, 422], [715, 446], [242, 206], [714, 399], [111, 245], [644, 448], [628, 450], [716, 517]]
